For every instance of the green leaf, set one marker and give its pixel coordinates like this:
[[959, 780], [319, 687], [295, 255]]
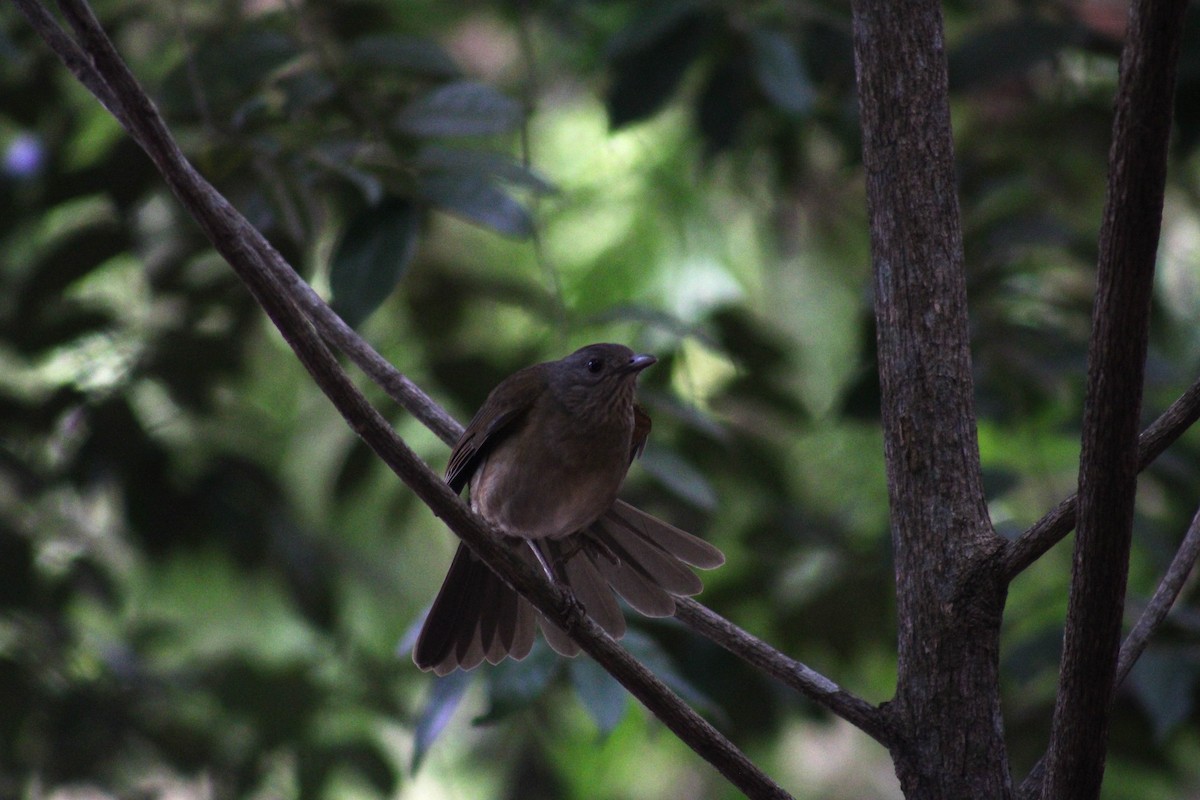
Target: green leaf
[[477, 199], [465, 108], [445, 695], [408, 54], [484, 163], [371, 257], [780, 72], [604, 698]]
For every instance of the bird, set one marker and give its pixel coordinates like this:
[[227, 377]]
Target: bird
[[544, 458]]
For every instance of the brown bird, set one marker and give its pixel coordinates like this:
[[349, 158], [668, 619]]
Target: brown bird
[[544, 458]]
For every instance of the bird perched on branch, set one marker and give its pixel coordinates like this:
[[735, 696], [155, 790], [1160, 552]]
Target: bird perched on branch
[[544, 457]]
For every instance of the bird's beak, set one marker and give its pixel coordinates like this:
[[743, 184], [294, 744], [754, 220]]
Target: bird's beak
[[639, 362]]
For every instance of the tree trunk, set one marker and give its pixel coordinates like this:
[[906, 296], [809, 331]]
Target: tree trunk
[[947, 703]]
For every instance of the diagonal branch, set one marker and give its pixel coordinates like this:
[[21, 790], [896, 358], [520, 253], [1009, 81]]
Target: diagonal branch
[[257, 265], [1050, 529], [1148, 623], [1116, 364], [1155, 612]]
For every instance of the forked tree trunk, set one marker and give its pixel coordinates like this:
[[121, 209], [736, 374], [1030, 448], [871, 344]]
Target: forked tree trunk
[[947, 702]]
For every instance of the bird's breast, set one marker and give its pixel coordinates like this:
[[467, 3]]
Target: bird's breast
[[537, 486]]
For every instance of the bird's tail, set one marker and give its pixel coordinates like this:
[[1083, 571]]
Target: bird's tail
[[476, 616]]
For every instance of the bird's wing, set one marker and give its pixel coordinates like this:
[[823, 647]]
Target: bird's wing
[[641, 431], [498, 415]]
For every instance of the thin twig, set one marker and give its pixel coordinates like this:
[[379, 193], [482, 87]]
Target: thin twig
[[1155, 613]]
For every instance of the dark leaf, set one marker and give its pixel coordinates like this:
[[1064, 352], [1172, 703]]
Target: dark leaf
[[723, 104], [230, 68], [281, 701], [465, 108], [475, 198], [604, 698], [409, 54], [369, 761], [780, 72], [1007, 49], [372, 256], [1164, 681], [650, 653], [337, 156], [748, 341], [649, 59], [444, 697], [17, 573], [56, 324], [482, 163], [513, 685], [305, 89], [307, 570]]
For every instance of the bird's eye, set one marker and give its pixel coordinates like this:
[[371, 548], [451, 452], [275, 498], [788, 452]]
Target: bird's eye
[[594, 365]]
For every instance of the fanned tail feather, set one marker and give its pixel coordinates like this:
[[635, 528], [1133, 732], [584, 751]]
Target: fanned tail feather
[[477, 617]]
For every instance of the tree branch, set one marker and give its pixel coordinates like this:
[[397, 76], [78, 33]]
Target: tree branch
[[259, 266], [1050, 529], [1116, 362], [1151, 619]]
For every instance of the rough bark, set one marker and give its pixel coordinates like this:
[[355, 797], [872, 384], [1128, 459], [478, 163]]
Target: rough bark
[[1116, 362], [949, 599]]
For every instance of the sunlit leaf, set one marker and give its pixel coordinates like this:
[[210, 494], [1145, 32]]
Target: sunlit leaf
[[372, 256]]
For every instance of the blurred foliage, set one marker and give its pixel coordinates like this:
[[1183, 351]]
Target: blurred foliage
[[204, 576]]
